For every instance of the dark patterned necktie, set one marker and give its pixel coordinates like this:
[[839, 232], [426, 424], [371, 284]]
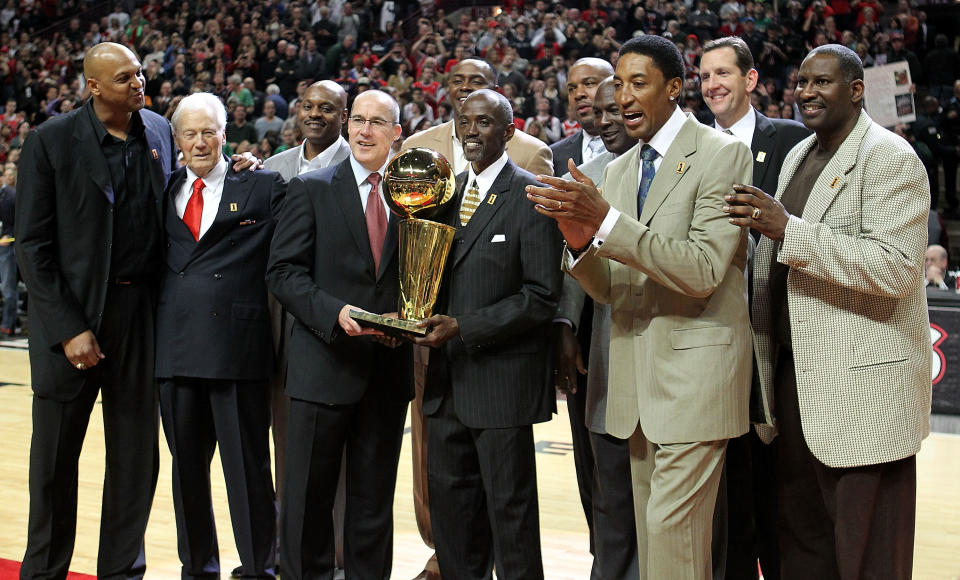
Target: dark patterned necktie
[[647, 156]]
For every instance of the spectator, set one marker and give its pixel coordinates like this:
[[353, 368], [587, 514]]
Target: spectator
[[8, 259], [269, 122], [936, 274], [239, 131], [549, 124]]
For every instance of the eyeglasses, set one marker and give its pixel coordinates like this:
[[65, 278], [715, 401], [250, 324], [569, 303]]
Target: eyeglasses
[[359, 122]]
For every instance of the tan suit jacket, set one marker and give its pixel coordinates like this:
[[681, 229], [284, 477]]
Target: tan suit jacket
[[680, 360], [858, 309], [525, 151]]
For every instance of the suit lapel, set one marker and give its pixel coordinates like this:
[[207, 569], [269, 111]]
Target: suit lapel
[[833, 179], [491, 204], [389, 250], [236, 192], [671, 171], [763, 143], [347, 194], [155, 160], [91, 155]]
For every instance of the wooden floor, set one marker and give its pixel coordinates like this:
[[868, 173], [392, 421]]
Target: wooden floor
[[563, 530]]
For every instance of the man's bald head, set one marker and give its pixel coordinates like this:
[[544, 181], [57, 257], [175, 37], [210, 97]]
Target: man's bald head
[[115, 79]]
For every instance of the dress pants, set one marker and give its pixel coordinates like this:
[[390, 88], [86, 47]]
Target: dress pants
[[198, 416], [483, 499], [368, 434], [8, 287], [614, 527], [675, 492], [124, 379], [839, 523]]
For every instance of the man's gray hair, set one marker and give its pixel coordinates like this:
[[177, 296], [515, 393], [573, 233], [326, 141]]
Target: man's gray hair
[[200, 101]]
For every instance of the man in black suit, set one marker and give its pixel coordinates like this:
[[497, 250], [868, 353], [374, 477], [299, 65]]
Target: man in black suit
[[89, 242], [487, 380], [583, 78], [333, 252], [214, 349], [572, 337], [746, 513]]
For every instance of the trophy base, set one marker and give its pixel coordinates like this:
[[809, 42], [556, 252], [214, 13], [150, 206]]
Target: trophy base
[[394, 327]]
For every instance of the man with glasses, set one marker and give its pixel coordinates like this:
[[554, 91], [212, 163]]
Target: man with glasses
[[336, 250]]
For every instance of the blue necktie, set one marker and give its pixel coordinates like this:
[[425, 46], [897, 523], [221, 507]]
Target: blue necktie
[[647, 156]]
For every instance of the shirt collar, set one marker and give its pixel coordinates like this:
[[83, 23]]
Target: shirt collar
[[361, 173], [136, 125], [321, 159], [486, 177], [663, 139], [743, 128], [213, 178]]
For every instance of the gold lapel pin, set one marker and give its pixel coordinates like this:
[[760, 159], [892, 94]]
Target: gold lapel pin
[[761, 155], [681, 167], [835, 181], [492, 199], [233, 207], [155, 156]]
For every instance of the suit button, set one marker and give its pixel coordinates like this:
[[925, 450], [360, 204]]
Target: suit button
[[181, 274], [218, 276], [213, 314], [168, 244]]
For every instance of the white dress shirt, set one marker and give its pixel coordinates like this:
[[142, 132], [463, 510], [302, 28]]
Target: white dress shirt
[[586, 153], [459, 160], [360, 173], [743, 129], [660, 142], [321, 160], [212, 192], [486, 177]]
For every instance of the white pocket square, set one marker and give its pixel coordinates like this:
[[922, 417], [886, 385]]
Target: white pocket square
[[498, 238]]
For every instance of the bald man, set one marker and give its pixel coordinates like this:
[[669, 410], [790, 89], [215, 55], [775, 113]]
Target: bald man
[[89, 242]]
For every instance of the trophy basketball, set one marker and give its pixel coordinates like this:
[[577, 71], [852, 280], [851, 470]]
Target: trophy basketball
[[418, 183]]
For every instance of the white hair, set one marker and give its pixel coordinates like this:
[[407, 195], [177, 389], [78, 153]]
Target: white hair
[[200, 101]]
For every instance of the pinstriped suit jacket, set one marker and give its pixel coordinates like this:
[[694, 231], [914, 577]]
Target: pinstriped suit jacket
[[858, 310], [504, 296], [680, 334]]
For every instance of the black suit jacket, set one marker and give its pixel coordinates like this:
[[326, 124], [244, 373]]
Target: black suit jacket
[[772, 140], [504, 296], [320, 260], [212, 317], [569, 148], [64, 234]]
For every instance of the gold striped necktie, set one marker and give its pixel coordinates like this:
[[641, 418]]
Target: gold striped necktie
[[471, 201]]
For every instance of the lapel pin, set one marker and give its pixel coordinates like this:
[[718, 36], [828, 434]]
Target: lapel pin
[[835, 181], [233, 207], [154, 152], [681, 167], [761, 155], [493, 199]]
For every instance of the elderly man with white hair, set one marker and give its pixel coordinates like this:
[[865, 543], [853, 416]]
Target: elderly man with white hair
[[214, 347]]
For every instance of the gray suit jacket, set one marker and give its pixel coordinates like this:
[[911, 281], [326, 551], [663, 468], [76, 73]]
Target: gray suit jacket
[[680, 360], [858, 309], [571, 306]]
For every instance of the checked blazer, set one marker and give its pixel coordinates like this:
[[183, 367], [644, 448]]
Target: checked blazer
[[858, 310]]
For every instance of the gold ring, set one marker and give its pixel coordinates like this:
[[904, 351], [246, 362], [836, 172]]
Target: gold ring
[[756, 213], [81, 366]]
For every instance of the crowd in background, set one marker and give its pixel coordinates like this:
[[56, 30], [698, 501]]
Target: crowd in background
[[259, 56]]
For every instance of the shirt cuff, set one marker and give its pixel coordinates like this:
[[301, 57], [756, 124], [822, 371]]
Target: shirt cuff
[[606, 227]]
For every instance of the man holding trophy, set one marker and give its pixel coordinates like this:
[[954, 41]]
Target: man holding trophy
[[487, 380], [335, 250]]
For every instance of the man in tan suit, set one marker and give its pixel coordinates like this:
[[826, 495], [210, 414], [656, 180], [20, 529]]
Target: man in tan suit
[[841, 330], [657, 247], [526, 152]]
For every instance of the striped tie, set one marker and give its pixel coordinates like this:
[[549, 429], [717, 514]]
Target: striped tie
[[471, 201]]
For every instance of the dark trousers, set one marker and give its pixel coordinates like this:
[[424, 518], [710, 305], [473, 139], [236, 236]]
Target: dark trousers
[[839, 523], [124, 379], [370, 431], [614, 524], [483, 499], [198, 416], [950, 161], [751, 494]]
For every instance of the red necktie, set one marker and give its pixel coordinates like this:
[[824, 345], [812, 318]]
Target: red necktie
[[194, 210], [376, 219]]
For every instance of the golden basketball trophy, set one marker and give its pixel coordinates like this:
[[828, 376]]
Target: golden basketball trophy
[[418, 183]]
